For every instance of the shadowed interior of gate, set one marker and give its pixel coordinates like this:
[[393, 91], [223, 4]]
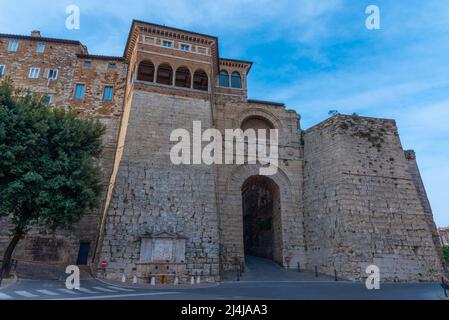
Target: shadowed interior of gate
[[260, 201]]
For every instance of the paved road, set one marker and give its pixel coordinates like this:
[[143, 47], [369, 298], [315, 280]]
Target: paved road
[[262, 280], [94, 289]]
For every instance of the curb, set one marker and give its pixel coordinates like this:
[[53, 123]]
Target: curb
[[159, 287], [14, 280]]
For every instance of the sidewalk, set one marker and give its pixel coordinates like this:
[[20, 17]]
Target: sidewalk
[[265, 270]]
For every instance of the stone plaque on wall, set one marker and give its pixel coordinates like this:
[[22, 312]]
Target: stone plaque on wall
[[162, 247]]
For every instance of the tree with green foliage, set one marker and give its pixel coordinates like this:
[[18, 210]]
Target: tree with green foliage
[[48, 165], [446, 253]]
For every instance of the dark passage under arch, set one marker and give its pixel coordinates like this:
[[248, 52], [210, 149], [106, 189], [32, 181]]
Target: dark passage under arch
[[260, 202]]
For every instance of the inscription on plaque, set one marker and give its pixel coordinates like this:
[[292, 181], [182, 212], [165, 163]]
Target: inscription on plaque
[[162, 247]]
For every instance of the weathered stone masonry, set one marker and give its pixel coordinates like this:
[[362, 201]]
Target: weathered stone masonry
[[361, 203], [345, 196]]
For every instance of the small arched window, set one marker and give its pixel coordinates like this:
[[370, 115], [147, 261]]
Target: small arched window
[[182, 77], [236, 80], [200, 80], [257, 123], [145, 71], [223, 80], [165, 74]]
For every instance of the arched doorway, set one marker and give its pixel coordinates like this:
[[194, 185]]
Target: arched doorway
[[261, 218]]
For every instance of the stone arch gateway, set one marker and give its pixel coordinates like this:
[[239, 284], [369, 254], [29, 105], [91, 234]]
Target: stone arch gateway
[[286, 240], [336, 212]]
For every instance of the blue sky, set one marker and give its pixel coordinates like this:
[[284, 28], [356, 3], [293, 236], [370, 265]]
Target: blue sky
[[313, 55]]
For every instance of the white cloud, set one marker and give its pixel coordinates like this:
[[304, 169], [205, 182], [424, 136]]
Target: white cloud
[[223, 16]]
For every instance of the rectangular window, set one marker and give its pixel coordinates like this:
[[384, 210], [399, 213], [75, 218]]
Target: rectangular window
[[87, 64], [112, 65], [34, 73], [185, 47], [13, 45], [2, 70], [40, 47], [52, 74], [79, 91], [167, 44], [107, 93], [48, 99]]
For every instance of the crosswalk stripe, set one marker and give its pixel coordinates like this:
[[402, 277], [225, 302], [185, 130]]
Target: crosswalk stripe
[[4, 296], [48, 292], [103, 289], [25, 294], [120, 289], [85, 290], [68, 291], [115, 296]]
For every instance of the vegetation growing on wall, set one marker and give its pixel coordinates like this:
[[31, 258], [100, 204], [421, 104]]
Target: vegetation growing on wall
[[446, 253]]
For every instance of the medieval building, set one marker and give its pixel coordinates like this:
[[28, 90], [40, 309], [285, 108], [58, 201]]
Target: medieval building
[[345, 195]]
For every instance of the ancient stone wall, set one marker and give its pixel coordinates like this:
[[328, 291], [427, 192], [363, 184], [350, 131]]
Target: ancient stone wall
[[344, 196], [229, 113], [413, 169], [361, 206], [153, 195]]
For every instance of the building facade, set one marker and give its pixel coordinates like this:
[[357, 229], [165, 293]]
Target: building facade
[[444, 236], [345, 195]]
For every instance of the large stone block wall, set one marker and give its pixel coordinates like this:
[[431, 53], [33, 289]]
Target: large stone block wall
[[348, 194], [153, 195], [229, 113], [361, 206], [413, 169]]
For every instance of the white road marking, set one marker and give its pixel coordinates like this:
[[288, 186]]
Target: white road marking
[[119, 296], [85, 290], [25, 294], [68, 291], [48, 292], [121, 289], [103, 289], [4, 296]]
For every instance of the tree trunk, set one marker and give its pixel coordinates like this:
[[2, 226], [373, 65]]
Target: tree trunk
[[6, 264]]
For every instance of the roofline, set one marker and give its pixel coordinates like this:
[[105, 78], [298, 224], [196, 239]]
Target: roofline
[[241, 61], [237, 60], [134, 21], [347, 116], [42, 39], [279, 104], [174, 29], [99, 57]]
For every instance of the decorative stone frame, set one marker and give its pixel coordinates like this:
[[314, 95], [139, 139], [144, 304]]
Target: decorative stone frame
[[162, 247], [264, 114]]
